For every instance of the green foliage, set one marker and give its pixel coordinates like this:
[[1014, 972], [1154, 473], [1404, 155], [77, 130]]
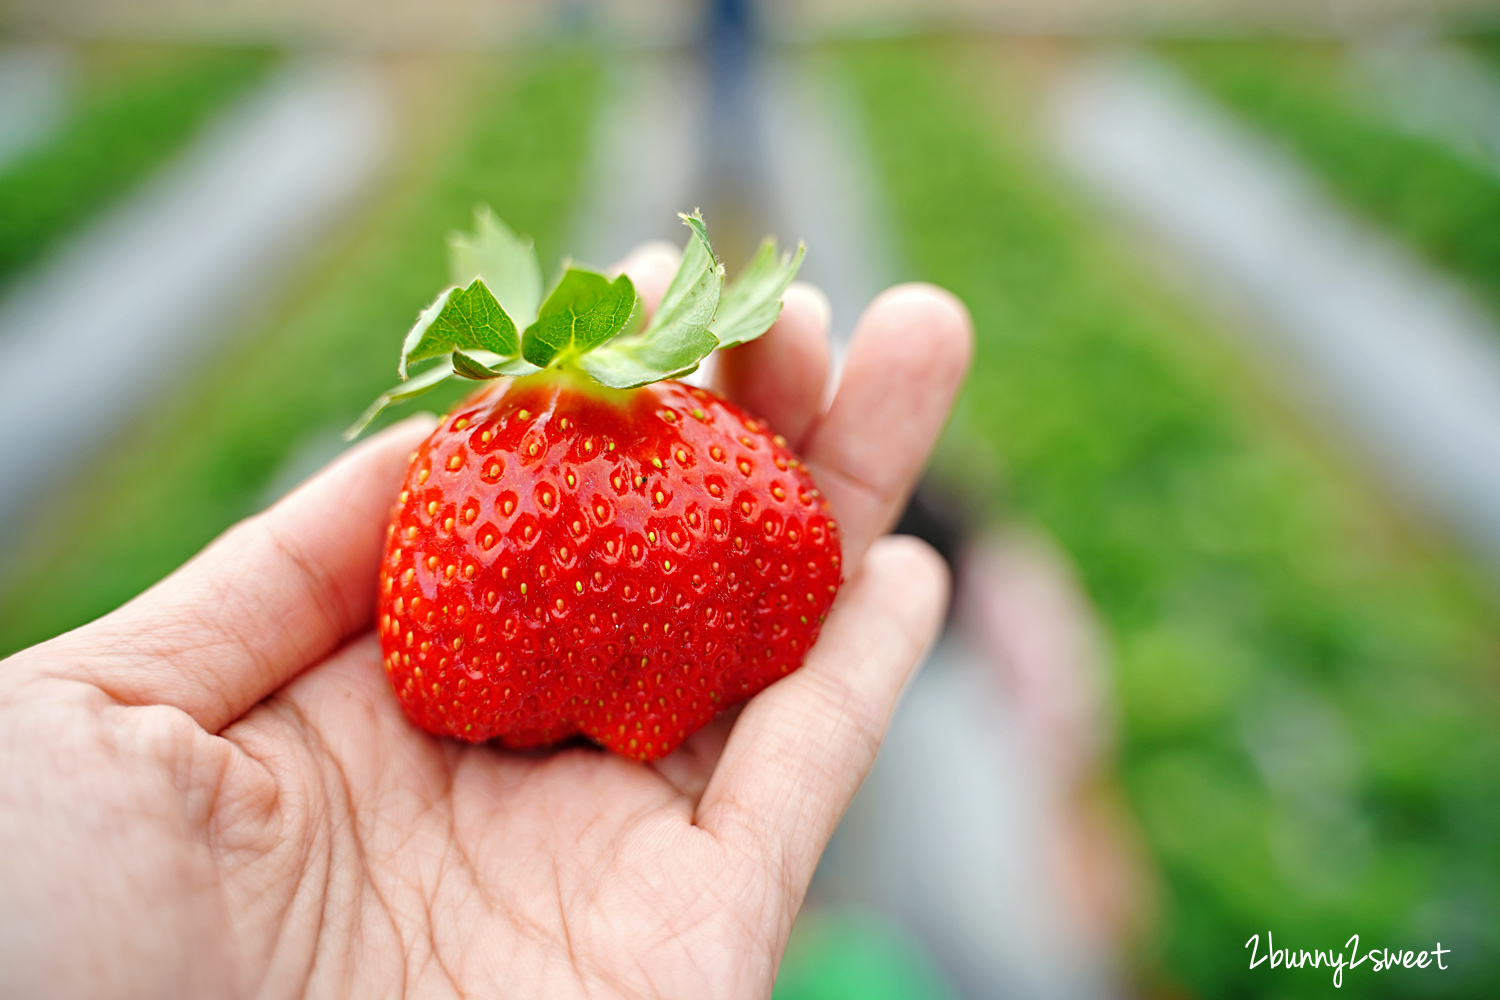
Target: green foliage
[[1302, 94], [1308, 690], [466, 318], [208, 455], [583, 311], [752, 301], [123, 128], [418, 385], [850, 955], [505, 261], [1488, 46], [677, 338], [588, 321]]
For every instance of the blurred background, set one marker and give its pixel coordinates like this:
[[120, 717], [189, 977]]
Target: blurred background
[[1222, 494]]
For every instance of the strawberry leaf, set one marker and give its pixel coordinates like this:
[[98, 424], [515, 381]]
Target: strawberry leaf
[[468, 318], [484, 365], [509, 366], [678, 337], [466, 367], [505, 261], [752, 301], [584, 310], [587, 320], [411, 388]]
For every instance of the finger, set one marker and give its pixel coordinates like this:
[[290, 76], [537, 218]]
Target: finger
[[780, 375], [272, 595], [688, 768], [905, 364], [802, 746], [651, 267]]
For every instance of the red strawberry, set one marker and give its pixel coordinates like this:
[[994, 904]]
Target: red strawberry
[[566, 557]]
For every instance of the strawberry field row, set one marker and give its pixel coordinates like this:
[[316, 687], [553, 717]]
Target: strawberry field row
[[1306, 680], [512, 135], [1307, 96], [136, 106]]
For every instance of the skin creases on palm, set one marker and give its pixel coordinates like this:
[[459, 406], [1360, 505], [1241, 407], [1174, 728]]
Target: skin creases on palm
[[213, 791]]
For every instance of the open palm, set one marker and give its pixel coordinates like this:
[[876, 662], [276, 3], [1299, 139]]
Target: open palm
[[213, 792]]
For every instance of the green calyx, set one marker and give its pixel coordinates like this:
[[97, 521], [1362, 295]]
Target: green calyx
[[494, 322]]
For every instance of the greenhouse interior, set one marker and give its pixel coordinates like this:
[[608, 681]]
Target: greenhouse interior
[[1220, 495]]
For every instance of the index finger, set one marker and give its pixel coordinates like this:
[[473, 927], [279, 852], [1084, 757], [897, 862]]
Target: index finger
[[905, 364], [801, 748], [780, 375], [271, 596]]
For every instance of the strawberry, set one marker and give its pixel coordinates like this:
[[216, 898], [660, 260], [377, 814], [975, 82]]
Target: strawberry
[[586, 545]]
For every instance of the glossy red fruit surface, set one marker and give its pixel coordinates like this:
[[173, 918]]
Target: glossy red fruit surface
[[570, 559]]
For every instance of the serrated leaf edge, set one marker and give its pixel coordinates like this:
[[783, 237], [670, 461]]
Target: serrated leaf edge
[[774, 273], [761, 305]]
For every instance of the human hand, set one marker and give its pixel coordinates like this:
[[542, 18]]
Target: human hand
[[213, 792]]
